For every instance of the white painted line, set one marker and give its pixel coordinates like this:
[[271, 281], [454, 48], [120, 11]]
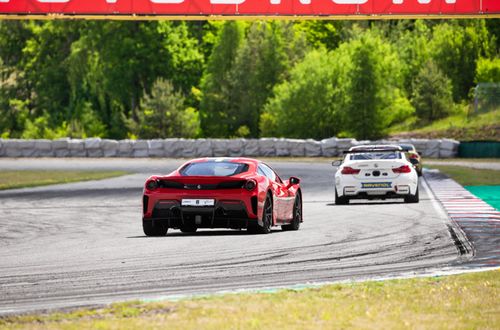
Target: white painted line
[[435, 204], [474, 215], [479, 220], [472, 207], [481, 226], [463, 202], [476, 212], [473, 204]]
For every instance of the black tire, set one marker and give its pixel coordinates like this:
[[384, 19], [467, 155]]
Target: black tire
[[340, 200], [154, 228], [189, 229], [412, 198], [297, 215], [267, 218]]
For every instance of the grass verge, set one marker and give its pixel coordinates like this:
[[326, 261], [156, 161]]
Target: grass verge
[[458, 126], [23, 179], [467, 176], [470, 301]]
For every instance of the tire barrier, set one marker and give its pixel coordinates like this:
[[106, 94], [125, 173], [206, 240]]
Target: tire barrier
[[190, 148]]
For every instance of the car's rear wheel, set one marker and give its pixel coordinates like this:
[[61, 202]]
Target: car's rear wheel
[[340, 200], [189, 229], [154, 228], [412, 198], [297, 215], [267, 218]]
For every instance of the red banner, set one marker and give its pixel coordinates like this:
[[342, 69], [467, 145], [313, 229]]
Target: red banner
[[253, 7]]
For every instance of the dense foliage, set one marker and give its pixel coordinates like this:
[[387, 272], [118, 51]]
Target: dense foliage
[[305, 79]]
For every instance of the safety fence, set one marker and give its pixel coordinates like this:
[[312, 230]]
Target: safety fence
[[189, 148]]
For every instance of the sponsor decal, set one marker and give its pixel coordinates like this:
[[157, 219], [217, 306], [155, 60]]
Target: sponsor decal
[[251, 7], [375, 185]]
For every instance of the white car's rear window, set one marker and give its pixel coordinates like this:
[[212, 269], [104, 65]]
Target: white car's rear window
[[376, 155]]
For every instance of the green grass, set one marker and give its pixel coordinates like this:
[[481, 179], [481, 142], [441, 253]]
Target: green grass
[[467, 176], [470, 301], [460, 120], [484, 126], [22, 179]]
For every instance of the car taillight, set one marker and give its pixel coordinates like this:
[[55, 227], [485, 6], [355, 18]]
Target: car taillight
[[349, 170], [402, 169], [413, 156], [250, 185], [152, 184]]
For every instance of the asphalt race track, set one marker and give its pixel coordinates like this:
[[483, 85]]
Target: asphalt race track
[[82, 244]]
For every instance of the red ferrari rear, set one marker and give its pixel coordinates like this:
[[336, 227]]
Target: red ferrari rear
[[221, 193]]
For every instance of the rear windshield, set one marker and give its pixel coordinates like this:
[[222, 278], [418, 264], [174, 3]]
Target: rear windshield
[[376, 155], [406, 148], [213, 169]]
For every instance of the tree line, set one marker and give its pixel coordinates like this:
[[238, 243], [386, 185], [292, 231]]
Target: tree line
[[303, 79]]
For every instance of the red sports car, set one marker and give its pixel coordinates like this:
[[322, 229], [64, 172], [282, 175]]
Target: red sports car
[[221, 193]]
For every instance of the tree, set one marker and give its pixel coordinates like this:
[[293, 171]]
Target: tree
[[487, 90], [361, 112], [46, 71], [113, 63], [321, 33], [14, 36], [89, 78], [164, 115], [184, 58], [372, 85], [456, 46], [264, 57], [304, 105], [494, 31], [432, 93], [488, 70], [414, 51], [355, 90], [216, 83]]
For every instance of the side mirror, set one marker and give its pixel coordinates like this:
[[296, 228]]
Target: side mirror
[[293, 180], [336, 163]]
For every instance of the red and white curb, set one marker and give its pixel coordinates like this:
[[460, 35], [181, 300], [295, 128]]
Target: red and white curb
[[477, 219]]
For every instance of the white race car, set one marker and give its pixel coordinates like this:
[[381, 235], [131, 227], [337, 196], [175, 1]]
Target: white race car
[[375, 172]]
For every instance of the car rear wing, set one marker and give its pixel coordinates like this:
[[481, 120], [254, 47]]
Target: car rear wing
[[378, 150]]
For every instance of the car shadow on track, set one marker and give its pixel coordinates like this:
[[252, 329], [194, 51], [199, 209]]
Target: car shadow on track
[[365, 203], [208, 233]]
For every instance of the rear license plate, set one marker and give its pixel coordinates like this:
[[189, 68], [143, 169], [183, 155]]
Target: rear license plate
[[376, 185], [198, 202]]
